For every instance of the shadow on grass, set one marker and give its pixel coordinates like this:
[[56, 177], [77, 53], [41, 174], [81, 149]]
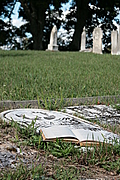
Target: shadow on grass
[[14, 55]]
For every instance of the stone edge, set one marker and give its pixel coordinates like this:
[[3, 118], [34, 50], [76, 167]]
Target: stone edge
[[66, 101]]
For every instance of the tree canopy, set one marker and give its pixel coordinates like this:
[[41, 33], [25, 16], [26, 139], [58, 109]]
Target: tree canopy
[[42, 15], [6, 9]]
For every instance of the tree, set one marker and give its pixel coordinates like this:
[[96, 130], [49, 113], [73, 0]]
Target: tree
[[91, 13], [6, 9], [52, 18], [41, 17], [35, 13], [82, 13], [103, 14], [38, 14]]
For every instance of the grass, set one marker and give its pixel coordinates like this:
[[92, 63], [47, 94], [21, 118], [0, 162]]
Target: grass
[[75, 159], [26, 75], [117, 107]]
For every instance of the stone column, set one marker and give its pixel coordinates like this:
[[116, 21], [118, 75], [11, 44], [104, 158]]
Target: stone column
[[97, 40], [114, 42], [83, 40], [53, 40]]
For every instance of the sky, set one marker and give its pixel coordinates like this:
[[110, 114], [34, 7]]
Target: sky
[[15, 20], [19, 21]]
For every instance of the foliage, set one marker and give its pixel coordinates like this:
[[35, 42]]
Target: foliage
[[40, 20], [117, 106], [103, 14], [41, 16], [22, 172], [106, 156], [98, 13], [6, 8], [6, 28], [61, 148]]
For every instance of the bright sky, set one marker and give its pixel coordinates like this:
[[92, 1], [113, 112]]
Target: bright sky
[[18, 22]]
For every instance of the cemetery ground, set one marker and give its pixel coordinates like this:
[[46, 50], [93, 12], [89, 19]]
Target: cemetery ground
[[26, 75], [29, 75], [55, 160]]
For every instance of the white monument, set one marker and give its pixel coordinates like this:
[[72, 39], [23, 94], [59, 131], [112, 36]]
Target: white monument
[[53, 40], [97, 40], [118, 41], [114, 42], [83, 40]]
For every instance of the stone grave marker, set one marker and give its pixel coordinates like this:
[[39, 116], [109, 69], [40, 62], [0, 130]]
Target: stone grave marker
[[45, 119], [83, 40], [114, 42], [97, 40], [53, 40], [118, 45]]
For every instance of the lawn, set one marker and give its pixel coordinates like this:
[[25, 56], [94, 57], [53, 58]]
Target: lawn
[[29, 75], [26, 75]]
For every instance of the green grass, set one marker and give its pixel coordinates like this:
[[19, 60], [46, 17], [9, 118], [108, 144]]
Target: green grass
[[26, 75], [103, 156], [45, 75]]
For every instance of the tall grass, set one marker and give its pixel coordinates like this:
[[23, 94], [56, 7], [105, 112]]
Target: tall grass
[[32, 74]]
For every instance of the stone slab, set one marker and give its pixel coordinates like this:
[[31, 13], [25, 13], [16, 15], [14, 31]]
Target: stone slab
[[114, 42], [53, 40], [83, 40], [97, 40], [105, 114], [45, 118], [67, 101]]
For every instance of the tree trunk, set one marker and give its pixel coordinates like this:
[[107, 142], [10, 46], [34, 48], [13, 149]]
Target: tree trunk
[[82, 14], [35, 13], [36, 27]]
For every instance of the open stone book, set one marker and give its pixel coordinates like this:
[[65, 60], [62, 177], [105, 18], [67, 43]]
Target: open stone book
[[83, 137], [54, 124]]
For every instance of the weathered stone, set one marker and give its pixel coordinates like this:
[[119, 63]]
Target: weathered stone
[[42, 119], [114, 42], [97, 40], [68, 101], [83, 40], [105, 114], [53, 40], [118, 46]]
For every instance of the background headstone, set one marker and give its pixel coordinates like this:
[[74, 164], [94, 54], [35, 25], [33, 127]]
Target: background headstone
[[83, 40], [114, 42], [118, 45], [53, 40], [97, 40]]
